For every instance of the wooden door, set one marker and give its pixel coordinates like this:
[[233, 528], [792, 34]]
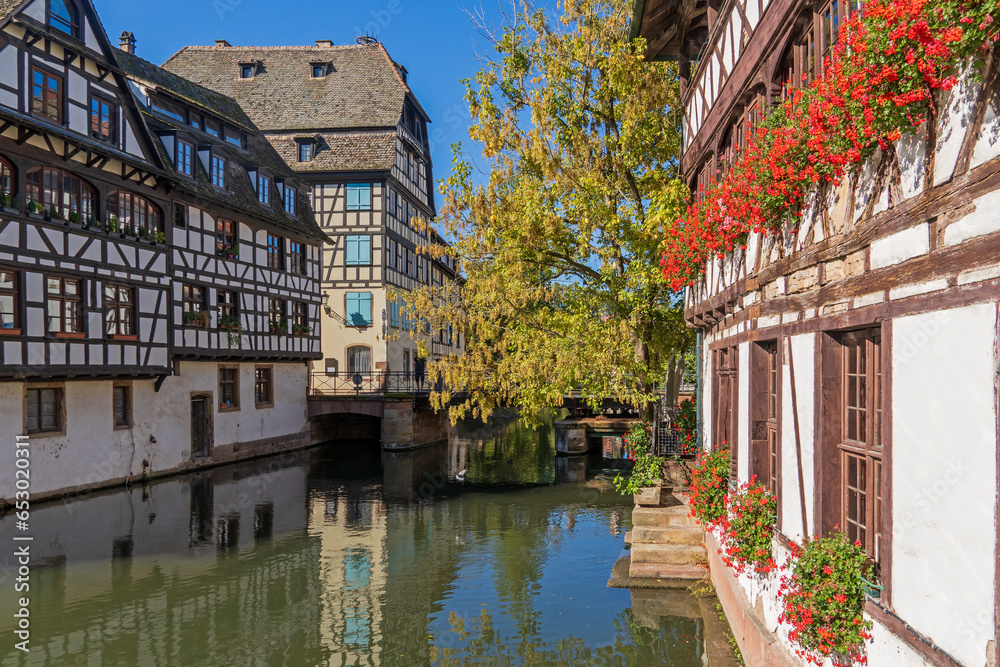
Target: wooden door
[[200, 443]]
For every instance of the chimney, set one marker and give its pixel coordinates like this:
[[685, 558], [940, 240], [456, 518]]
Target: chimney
[[324, 43], [127, 42], [402, 71], [222, 43]]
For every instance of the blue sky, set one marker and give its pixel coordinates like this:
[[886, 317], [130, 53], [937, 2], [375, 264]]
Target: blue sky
[[433, 39]]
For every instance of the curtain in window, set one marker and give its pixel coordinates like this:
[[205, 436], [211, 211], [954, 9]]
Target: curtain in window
[[359, 360]]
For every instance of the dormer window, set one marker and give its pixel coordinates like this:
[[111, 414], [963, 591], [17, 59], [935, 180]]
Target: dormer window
[[306, 151], [234, 136], [248, 70], [263, 189], [64, 17], [289, 200], [219, 169], [164, 108], [319, 69]]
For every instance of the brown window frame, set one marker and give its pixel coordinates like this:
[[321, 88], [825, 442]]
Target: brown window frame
[[134, 211], [267, 385], [39, 188], [765, 414], [300, 314], [127, 423], [226, 238], [14, 293], [97, 126], [70, 322], [229, 386], [190, 300], [228, 307], [296, 257], [275, 252], [119, 314], [43, 105], [58, 411], [725, 413]]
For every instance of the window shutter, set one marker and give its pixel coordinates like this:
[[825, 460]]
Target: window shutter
[[352, 198], [366, 307], [364, 196], [352, 250], [364, 249], [352, 308], [759, 398]]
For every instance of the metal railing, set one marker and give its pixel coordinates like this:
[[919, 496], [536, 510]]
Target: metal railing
[[372, 383]]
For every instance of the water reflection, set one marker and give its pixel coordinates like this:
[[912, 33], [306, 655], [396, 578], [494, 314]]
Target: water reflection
[[343, 556]]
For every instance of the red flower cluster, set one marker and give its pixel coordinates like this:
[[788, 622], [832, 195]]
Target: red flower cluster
[[707, 487], [823, 598], [686, 426], [746, 529], [879, 83]]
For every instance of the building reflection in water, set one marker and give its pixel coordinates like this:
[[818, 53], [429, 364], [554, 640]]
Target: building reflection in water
[[339, 556]]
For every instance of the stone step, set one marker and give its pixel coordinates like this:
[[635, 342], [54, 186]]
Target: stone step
[[690, 535], [660, 571], [659, 517], [628, 537], [668, 554]]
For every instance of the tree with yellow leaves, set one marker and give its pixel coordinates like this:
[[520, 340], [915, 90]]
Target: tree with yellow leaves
[[559, 241]]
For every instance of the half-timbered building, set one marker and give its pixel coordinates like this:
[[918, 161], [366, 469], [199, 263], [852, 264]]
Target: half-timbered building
[[145, 326], [852, 364], [344, 118]]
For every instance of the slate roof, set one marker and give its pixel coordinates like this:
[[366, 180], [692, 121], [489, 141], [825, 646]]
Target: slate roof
[[340, 151], [363, 88], [241, 194]]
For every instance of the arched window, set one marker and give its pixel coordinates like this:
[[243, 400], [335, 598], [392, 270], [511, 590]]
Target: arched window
[[359, 360], [6, 182], [61, 190], [134, 211], [64, 16]]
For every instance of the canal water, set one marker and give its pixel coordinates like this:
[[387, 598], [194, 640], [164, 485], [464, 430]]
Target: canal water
[[487, 550]]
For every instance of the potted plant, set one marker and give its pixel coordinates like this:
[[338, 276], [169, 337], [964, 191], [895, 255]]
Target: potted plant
[[278, 324], [301, 329], [644, 482], [193, 319], [157, 237], [232, 325], [55, 213], [35, 209], [143, 233], [228, 251], [113, 224], [5, 200], [74, 217]]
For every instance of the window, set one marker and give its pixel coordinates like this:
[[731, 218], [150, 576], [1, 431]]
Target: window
[[226, 243], [263, 189], [119, 307], [43, 409], [168, 109], [300, 316], [305, 151], [359, 360], [62, 191], [229, 387], [180, 214], [263, 387], [103, 119], [764, 418], [275, 252], [8, 300], [832, 17], [194, 298], [359, 197], [122, 406], [296, 257], [233, 136], [184, 161], [6, 179], [63, 305], [63, 16], [134, 212], [276, 314], [359, 250], [359, 309], [319, 70], [390, 254], [289, 200], [228, 305], [213, 127], [247, 70], [219, 171], [724, 409], [861, 442]]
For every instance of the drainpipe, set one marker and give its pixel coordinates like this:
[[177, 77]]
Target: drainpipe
[[698, 387]]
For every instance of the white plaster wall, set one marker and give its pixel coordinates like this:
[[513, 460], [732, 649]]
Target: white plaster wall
[[91, 450], [705, 397], [944, 476], [743, 425], [801, 349], [337, 338]]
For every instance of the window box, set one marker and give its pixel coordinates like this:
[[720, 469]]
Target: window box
[[278, 330], [200, 319], [9, 332], [124, 337], [69, 334]]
